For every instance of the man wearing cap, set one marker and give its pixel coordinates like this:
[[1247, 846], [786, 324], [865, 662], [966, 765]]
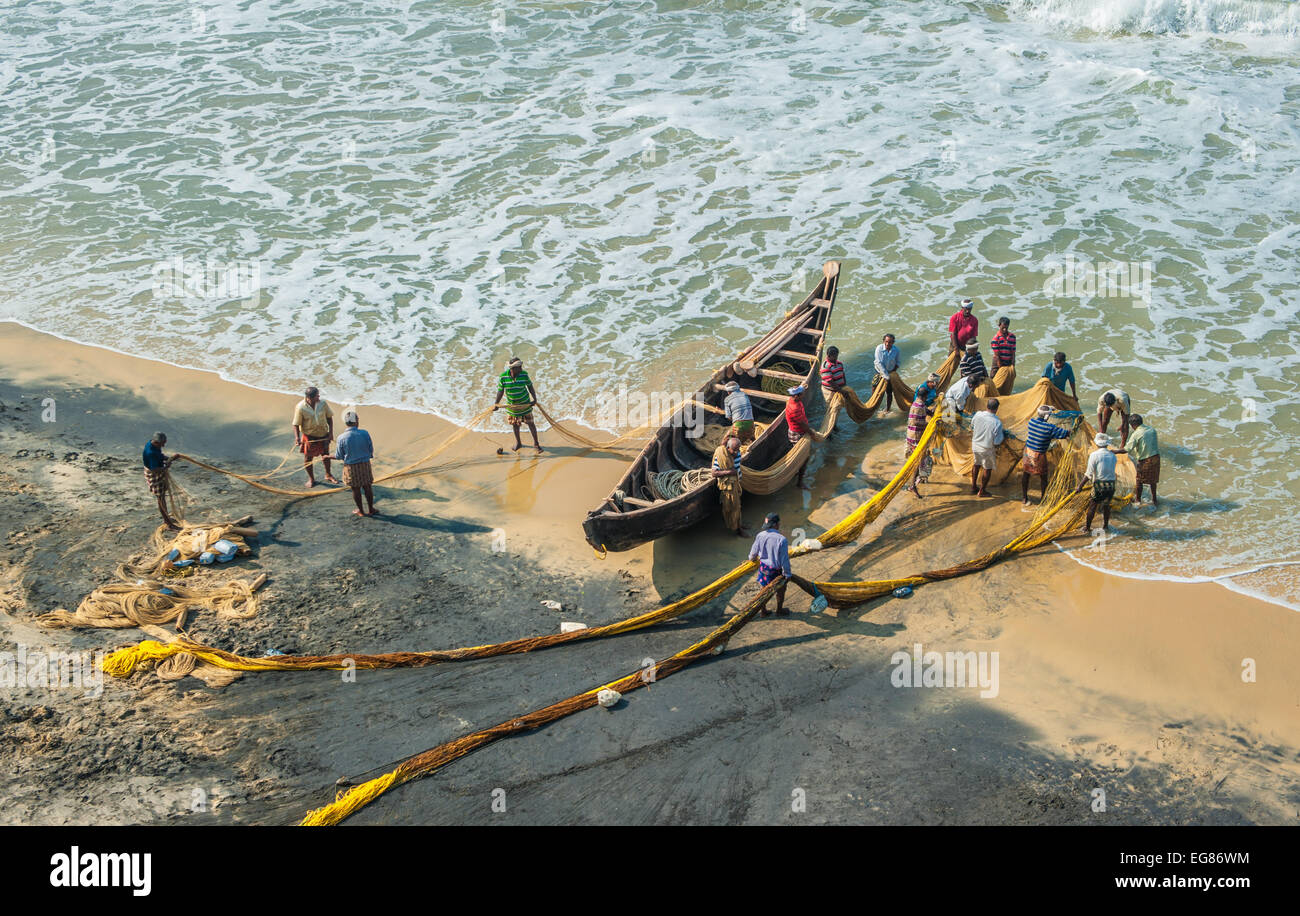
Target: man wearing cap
[[1143, 449], [1038, 439], [313, 431], [772, 551], [159, 481], [797, 426], [740, 412], [355, 450], [726, 471], [520, 397], [986, 434], [1060, 372], [1003, 349], [888, 360], [963, 327], [1114, 400], [1101, 472], [972, 363]]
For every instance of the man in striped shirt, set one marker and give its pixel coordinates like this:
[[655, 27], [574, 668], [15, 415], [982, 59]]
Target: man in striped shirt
[[738, 409], [1003, 347], [972, 364], [520, 397], [1038, 439], [833, 370]]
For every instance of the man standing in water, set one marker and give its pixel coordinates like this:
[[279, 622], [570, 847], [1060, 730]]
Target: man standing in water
[[1038, 439], [520, 397], [355, 450], [159, 481], [1101, 472], [1111, 401], [313, 431], [1003, 348], [1143, 449], [888, 360], [963, 327], [726, 471], [1060, 372], [772, 551]]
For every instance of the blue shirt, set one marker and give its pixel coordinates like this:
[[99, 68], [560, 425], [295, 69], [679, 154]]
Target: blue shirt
[[153, 456], [771, 549], [1040, 433], [887, 361], [354, 446], [1059, 378], [737, 406]]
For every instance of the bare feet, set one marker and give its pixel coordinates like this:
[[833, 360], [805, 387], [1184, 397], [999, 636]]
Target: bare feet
[[330, 478], [358, 513], [539, 448], [974, 491], [516, 447], [373, 511], [311, 482], [1027, 502], [983, 493]]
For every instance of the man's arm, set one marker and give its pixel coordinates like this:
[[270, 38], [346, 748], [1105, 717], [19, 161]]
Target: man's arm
[[785, 559], [532, 392]]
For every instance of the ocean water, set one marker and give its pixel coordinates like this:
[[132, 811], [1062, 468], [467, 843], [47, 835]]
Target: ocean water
[[388, 199]]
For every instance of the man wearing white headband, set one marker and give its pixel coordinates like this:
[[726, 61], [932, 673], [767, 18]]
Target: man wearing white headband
[[355, 449], [972, 363], [1038, 439], [963, 327], [520, 397], [1101, 473]]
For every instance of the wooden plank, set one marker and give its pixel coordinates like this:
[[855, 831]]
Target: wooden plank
[[644, 504], [795, 354], [813, 331], [821, 303], [773, 373], [758, 393]]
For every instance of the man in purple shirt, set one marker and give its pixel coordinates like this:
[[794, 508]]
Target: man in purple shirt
[[772, 551]]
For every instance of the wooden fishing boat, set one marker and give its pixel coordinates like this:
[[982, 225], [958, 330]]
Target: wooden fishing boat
[[634, 512]]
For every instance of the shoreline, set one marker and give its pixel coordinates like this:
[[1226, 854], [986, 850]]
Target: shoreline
[[1149, 704]]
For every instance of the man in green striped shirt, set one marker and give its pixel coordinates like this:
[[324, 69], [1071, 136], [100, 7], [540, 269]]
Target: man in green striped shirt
[[520, 398]]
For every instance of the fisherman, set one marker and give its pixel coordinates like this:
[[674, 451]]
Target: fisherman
[[355, 450], [740, 412], [1143, 449], [772, 551], [521, 398], [1003, 350], [973, 362], [833, 376], [918, 418], [1101, 472], [963, 327], [1111, 401], [888, 360], [960, 391], [313, 431], [726, 471], [159, 481], [797, 426], [986, 434], [1038, 439], [1060, 372]]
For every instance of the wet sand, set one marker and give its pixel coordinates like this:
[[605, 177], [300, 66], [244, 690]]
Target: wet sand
[[1129, 686]]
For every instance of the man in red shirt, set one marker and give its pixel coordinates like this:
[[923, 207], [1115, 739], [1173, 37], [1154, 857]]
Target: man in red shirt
[[963, 327], [797, 426]]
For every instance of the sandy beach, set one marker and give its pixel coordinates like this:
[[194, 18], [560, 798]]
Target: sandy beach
[[1128, 686]]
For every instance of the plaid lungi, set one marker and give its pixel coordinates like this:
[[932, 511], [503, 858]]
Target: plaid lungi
[[1103, 491], [1034, 462], [521, 419], [1148, 470], [358, 475], [158, 480], [315, 447]]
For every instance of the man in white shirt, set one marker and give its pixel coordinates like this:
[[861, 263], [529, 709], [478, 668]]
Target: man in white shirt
[[888, 360], [1101, 472], [986, 434], [958, 393]]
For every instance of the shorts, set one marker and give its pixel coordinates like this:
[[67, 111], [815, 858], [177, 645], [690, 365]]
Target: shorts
[[358, 475], [987, 459]]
